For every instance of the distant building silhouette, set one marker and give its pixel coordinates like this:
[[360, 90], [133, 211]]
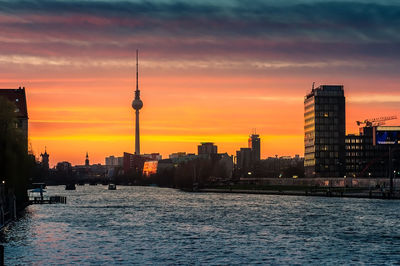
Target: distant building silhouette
[[324, 132], [244, 160], [112, 161], [87, 160], [254, 145], [64, 166], [207, 148], [155, 156], [179, 157], [45, 159], [18, 97], [280, 166], [134, 163]]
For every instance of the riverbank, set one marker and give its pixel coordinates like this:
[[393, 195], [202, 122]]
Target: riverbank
[[374, 188], [311, 192]]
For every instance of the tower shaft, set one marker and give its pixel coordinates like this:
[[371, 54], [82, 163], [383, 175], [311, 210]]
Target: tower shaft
[[137, 134]]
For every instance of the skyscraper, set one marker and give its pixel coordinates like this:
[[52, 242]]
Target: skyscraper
[[254, 145], [137, 104], [324, 132]]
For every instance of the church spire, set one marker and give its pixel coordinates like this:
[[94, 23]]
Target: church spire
[[87, 159]]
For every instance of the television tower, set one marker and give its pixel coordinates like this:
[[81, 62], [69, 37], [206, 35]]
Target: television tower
[[137, 104]]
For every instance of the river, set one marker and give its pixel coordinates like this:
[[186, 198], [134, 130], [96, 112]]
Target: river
[[149, 225]]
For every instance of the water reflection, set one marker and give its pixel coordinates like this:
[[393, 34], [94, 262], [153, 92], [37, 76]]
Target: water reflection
[[164, 226]]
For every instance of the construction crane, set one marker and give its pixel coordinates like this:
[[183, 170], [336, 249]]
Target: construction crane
[[371, 122]]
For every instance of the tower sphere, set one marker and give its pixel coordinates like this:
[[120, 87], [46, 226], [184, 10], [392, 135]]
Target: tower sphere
[[137, 104]]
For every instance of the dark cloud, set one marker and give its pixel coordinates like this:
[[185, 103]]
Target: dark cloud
[[295, 30], [329, 20]]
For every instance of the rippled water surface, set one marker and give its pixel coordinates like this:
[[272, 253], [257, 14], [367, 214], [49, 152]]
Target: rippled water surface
[[147, 225]]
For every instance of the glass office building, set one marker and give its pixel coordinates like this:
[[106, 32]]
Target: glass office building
[[324, 132]]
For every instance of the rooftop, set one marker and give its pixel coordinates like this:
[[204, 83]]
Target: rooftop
[[326, 90], [16, 96]]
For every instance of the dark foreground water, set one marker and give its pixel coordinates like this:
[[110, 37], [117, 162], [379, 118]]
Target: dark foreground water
[[146, 225]]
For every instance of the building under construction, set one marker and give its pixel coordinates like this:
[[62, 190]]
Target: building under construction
[[374, 152]]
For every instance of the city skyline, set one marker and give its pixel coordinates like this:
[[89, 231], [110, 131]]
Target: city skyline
[[210, 78]]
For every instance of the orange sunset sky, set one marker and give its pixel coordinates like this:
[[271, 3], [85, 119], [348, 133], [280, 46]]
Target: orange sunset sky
[[208, 71]]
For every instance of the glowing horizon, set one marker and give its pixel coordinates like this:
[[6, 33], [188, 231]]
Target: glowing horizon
[[208, 71]]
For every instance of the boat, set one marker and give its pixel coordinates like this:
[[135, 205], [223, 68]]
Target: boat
[[38, 185], [36, 195], [70, 187], [112, 186]]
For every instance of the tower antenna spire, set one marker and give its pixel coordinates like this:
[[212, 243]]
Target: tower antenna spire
[[137, 69]]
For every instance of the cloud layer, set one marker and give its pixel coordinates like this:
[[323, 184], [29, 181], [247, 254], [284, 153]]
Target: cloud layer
[[286, 31]]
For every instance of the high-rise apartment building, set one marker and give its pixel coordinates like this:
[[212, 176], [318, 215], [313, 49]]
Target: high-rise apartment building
[[324, 132], [254, 145]]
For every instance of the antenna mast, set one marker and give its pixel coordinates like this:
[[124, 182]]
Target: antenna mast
[[137, 70]]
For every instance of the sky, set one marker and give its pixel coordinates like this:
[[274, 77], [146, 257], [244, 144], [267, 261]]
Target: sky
[[208, 70]]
